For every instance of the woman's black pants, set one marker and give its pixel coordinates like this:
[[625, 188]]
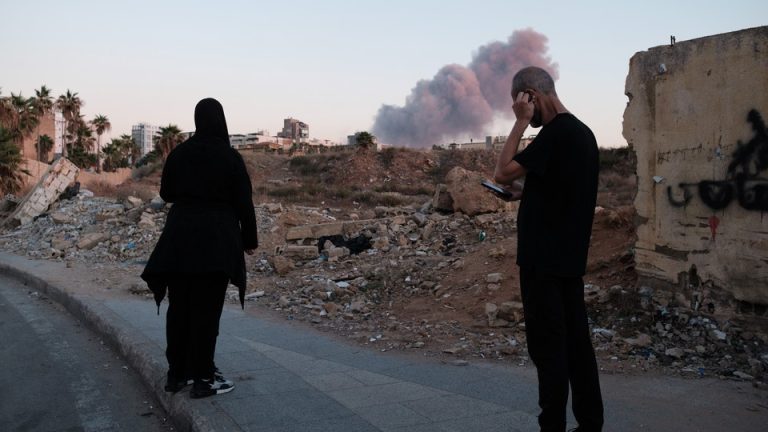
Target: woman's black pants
[[195, 302]]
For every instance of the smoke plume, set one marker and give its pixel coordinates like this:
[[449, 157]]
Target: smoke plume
[[463, 100]]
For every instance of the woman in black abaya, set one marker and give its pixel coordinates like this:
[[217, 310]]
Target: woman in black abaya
[[209, 226]]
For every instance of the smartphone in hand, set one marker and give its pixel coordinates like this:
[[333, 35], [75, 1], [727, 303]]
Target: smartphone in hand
[[498, 190]]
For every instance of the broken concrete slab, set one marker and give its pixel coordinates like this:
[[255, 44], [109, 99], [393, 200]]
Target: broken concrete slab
[[60, 175]]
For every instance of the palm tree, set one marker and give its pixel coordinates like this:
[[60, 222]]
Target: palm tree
[[27, 119], [168, 138], [44, 145], [69, 104], [8, 114], [365, 140], [42, 104], [102, 124], [10, 158], [130, 148]]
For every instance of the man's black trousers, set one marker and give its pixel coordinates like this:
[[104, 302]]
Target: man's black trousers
[[195, 302], [560, 346]]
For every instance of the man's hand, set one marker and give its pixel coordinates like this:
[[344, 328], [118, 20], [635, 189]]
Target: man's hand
[[523, 107], [515, 190]]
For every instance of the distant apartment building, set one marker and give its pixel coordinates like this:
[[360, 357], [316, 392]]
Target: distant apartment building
[[294, 129], [142, 134]]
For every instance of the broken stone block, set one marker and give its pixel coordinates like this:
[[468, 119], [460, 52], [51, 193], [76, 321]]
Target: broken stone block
[[419, 218], [442, 200], [642, 340], [89, 241], [428, 230], [357, 306], [282, 265], [47, 191], [60, 242], [491, 311], [133, 202], [498, 252], [331, 308], [61, 218], [301, 252], [337, 252], [315, 231], [381, 243], [494, 278], [677, 353], [511, 311], [485, 219]]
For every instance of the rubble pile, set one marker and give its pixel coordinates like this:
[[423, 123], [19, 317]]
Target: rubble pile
[[411, 279]]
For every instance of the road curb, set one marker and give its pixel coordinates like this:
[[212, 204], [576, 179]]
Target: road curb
[[185, 414]]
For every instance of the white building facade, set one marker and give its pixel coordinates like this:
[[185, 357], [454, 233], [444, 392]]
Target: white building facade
[[143, 134]]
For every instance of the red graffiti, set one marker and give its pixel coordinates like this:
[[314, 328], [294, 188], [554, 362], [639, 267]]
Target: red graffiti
[[713, 223]]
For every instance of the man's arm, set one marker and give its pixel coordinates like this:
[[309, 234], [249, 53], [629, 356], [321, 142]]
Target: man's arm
[[508, 170]]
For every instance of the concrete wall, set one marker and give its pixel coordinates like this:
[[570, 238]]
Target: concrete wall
[[39, 169], [695, 119]]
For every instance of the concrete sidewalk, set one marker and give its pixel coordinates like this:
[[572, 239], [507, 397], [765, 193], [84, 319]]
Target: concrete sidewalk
[[289, 378]]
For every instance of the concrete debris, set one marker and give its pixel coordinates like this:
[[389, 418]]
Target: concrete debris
[[47, 191], [418, 264]]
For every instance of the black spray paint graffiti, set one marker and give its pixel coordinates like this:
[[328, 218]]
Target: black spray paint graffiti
[[742, 179]]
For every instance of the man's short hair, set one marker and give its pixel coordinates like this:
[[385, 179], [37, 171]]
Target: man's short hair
[[535, 78]]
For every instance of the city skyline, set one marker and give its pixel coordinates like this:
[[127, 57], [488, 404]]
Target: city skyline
[[333, 65]]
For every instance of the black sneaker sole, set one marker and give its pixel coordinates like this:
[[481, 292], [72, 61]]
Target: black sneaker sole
[[199, 394]]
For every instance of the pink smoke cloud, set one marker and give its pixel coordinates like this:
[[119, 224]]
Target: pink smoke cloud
[[463, 100]]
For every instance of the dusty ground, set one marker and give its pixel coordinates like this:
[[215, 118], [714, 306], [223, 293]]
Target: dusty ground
[[438, 283]]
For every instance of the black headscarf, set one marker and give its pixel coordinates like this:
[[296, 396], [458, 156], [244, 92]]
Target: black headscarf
[[210, 121]]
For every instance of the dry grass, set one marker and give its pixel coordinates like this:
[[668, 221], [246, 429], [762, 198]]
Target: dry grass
[[146, 170], [101, 188], [123, 191]]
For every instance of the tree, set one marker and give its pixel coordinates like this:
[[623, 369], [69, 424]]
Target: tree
[[69, 104], [27, 119], [44, 145], [102, 124], [119, 153], [81, 143], [42, 104], [130, 148], [365, 140], [10, 157], [168, 138], [8, 114]]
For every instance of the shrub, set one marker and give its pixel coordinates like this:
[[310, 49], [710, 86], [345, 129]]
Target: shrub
[[146, 170], [102, 188]]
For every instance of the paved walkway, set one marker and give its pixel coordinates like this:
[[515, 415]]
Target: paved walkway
[[289, 378]]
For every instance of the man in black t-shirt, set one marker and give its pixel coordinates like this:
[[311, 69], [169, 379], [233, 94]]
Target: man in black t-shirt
[[554, 226]]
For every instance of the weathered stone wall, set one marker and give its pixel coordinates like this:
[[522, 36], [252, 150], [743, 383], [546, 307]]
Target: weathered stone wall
[[87, 179], [696, 120]]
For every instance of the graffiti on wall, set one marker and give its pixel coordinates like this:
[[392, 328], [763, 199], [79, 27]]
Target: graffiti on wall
[[743, 179]]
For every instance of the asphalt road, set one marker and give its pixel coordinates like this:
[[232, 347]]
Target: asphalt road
[[55, 375]]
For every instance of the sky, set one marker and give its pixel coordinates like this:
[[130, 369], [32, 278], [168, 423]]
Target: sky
[[331, 64]]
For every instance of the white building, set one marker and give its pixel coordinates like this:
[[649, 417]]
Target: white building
[[143, 134]]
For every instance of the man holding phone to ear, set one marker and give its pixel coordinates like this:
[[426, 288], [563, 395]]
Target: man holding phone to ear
[[554, 227]]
